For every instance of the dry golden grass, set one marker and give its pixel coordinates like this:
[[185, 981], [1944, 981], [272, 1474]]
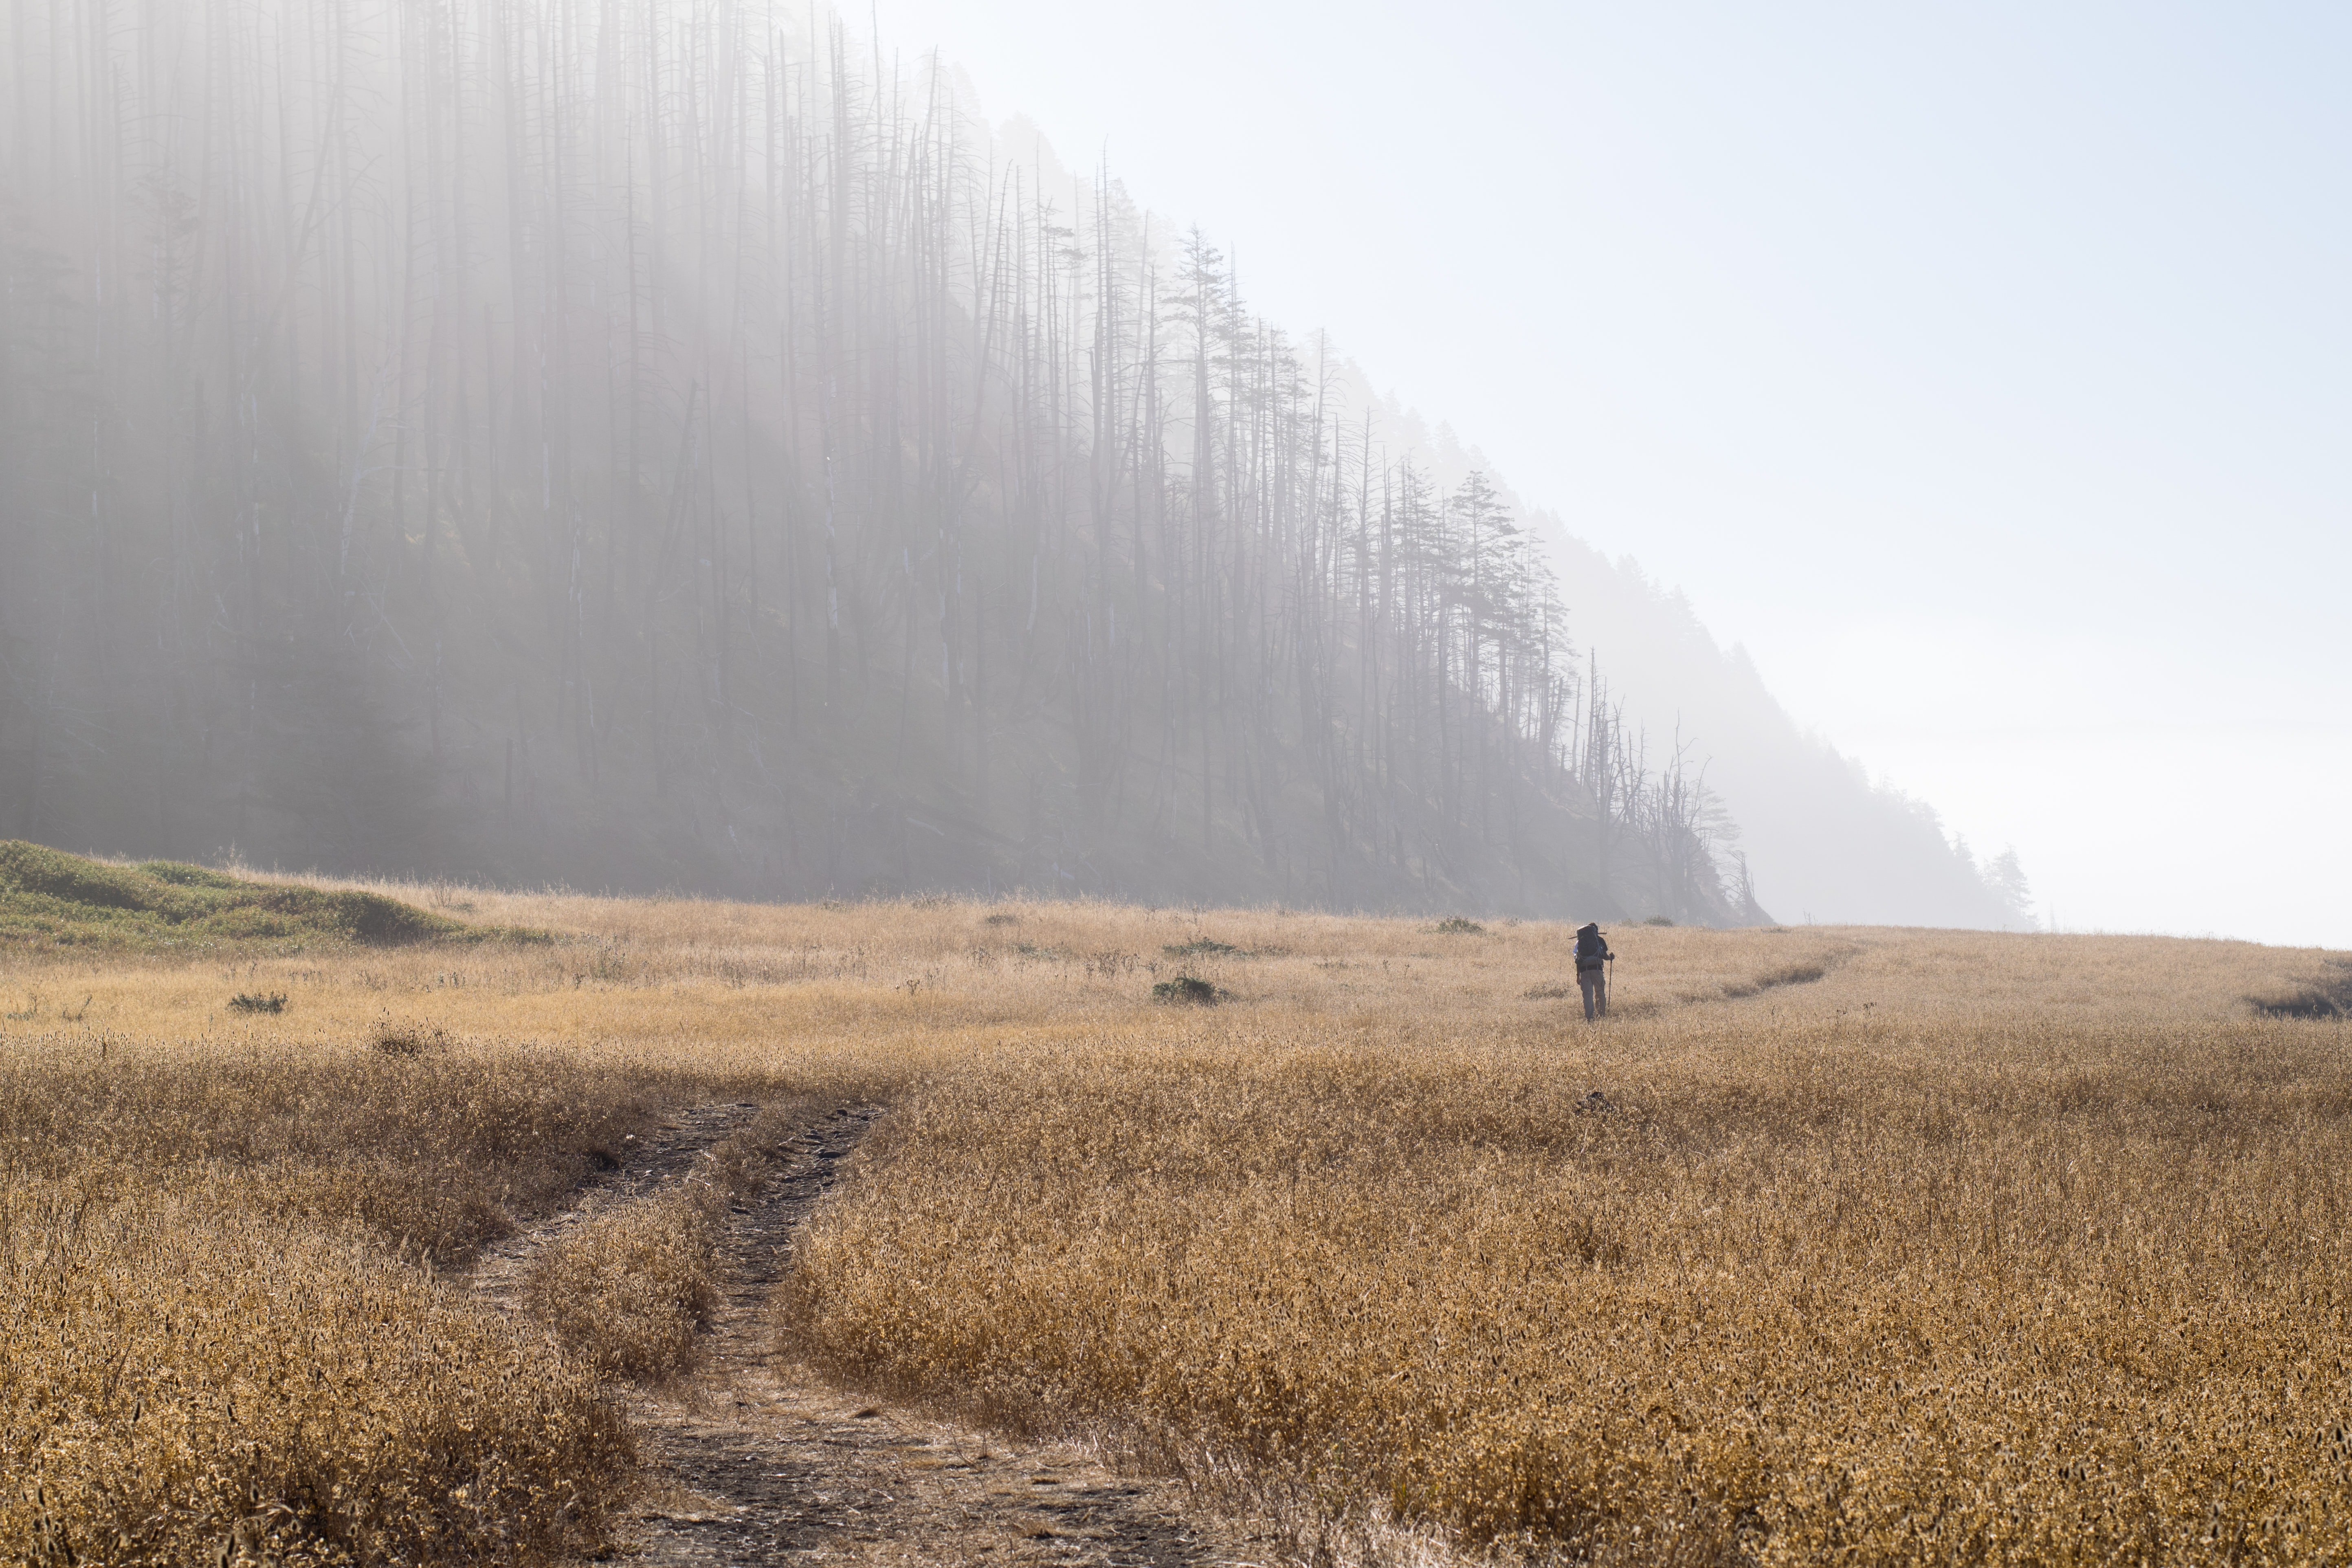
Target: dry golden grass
[[1972, 1248], [221, 1310], [182, 1374], [225, 1320], [1889, 1244], [631, 1289]]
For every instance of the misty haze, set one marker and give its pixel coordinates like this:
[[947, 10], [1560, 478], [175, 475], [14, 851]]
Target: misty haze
[[643, 448], [737, 823]]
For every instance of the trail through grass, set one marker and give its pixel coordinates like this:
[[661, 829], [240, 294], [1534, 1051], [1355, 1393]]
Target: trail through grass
[[1910, 1247]]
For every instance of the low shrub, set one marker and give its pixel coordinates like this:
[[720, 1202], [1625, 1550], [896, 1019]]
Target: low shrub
[[2328, 996], [405, 1037], [2308, 1004]]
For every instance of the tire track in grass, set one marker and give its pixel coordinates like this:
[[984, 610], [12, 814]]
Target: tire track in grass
[[750, 1462], [644, 1168]]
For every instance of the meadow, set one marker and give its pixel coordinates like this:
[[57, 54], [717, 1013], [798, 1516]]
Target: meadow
[[1830, 1244]]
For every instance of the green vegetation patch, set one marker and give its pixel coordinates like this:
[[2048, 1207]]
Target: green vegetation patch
[[53, 899]]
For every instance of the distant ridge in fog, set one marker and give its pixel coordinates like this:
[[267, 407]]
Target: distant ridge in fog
[[651, 450]]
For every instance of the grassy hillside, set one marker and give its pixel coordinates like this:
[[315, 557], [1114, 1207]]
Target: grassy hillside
[[51, 899]]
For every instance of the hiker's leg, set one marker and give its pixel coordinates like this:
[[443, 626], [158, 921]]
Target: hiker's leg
[[1584, 983], [1601, 985]]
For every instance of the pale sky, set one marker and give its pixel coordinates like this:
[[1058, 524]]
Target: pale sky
[[1985, 369]]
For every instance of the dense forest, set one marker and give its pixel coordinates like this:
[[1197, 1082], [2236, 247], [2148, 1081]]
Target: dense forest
[[669, 445]]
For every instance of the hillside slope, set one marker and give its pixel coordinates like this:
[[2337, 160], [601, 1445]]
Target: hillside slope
[[1821, 841], [568, 465], [51, 901]]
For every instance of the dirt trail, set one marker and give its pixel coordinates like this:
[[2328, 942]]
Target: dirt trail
[[754, 1463], [644, 1168]]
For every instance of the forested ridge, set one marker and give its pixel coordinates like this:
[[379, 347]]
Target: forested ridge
[[666, 444]]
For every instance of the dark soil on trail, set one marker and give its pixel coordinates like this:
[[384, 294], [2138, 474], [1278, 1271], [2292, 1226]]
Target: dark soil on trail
[[753, 1462]]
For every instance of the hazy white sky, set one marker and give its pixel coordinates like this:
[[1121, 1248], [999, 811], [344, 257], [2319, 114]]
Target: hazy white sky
[[1985, 369]]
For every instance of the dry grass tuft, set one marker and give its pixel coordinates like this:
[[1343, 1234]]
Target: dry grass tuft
[[632, 1288], [2327, 995], [408, 1037]]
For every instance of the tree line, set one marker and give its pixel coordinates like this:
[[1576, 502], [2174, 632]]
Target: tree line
[[670, 444]]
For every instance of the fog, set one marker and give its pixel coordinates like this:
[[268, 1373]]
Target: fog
[[1978, 368], [681, 446]]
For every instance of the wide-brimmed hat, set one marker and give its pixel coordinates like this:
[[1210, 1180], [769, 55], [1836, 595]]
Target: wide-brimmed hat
[[1592, 928]]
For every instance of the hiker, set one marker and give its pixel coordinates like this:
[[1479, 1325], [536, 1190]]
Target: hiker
[[1592, 956]]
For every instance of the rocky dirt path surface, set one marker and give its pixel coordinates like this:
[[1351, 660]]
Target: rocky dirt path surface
[[753, 1462]]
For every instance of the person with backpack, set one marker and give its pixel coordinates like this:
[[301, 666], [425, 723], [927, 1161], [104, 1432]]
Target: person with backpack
[[1592, 956]]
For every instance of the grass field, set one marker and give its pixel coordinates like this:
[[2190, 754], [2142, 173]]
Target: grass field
[[1832, 1244]]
